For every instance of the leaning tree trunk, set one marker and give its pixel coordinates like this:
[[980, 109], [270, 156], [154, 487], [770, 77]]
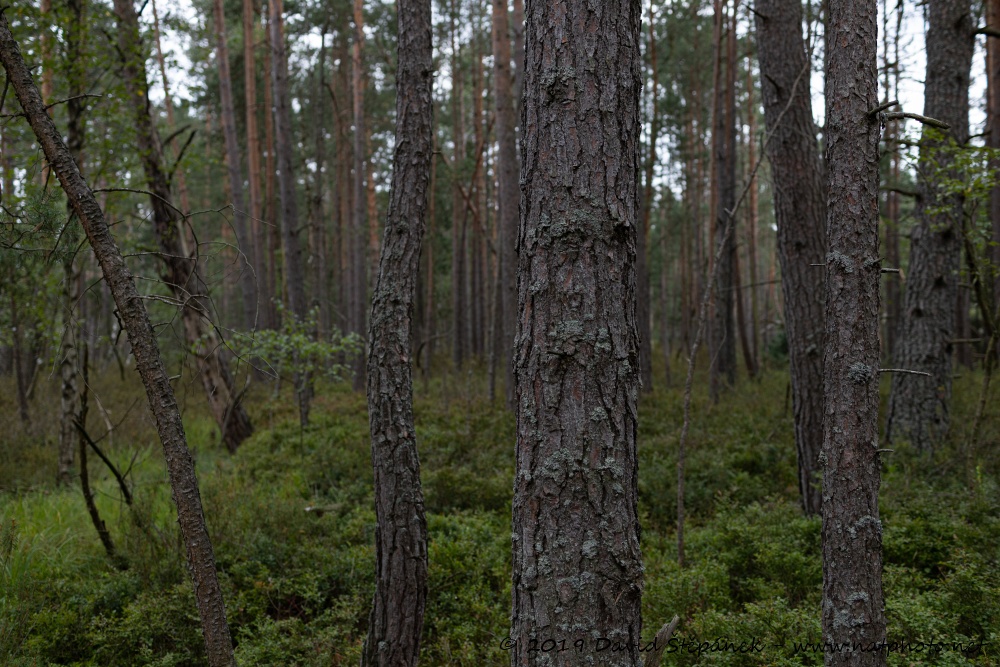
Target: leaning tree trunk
[[397, 615], [247, 279], [918, 406], [507, 191], [163, 405], [180, 270], [577, 570], [853, 605], [800, 213]]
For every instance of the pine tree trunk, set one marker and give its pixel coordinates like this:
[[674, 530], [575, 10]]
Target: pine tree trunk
[[162, 404], [723, 331], [642, 241], [919, 406], [168, 103], [993, 131], [180, 271], [853, 604], [359, 280], [577, 571], [317, 216], [396, 619], [459, 211], [258, 242], [248, 286], [69, 369], [508, 195], [800, 213], [294, 274]]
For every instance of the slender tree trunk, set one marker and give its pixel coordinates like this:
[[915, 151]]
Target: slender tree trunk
[[477, 297], [723, 330], [317, 216], [518, 40], [644, 297], [459, 211], [508, 197], [258, 239], [168, 103], [359, 282], [180, 271], [853, 603], [801, 216], [397, 615], [274, 278], [752, 219], [993, 132], [248, 285], [919, 406], [180, 464], [18, 353], [294, 275], [70, 403], [577, 566]]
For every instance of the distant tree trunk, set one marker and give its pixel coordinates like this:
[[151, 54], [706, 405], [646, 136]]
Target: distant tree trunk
[[168, 103], [397, 614], [248, 285], [800, 213], [272, 289], [317, 217], [993, 132], [752, 219], [919, 406], [459, 211], [294, 274], [891, 281], [723, 330], [518, 25], [508, 195], [180, 464], [853, 604], [359, 282], [643, 301], [577, 566], [69, 368], [18, 353], [258, 238], [180, 271], [477, 296]]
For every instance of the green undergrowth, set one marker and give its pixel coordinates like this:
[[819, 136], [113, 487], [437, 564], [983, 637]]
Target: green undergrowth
[[292, 520]]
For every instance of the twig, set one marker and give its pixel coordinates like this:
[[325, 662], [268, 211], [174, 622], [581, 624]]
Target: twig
[[903, 370], [882, 107], [660, 642], [933, 122]]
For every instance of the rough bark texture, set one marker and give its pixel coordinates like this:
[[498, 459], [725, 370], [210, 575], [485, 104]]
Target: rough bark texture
[[918, 406], [800, 213], [70, 403], [853, 605], [294, 274], [507, 190], [993, 131], [577, 571], [401, 536], [247, 280], [180, 465], [180, 271]]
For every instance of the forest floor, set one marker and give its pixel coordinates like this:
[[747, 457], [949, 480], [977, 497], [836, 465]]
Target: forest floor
[[298, 581]]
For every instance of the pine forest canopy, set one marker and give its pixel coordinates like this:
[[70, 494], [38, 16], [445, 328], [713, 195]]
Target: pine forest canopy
[[534, 306]]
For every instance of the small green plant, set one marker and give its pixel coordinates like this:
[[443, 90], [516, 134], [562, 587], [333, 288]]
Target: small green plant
[[300, 350]]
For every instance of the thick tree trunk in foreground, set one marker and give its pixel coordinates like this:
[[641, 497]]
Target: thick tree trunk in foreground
[[508, 195], [577, 571], [180, 271], [993, 131], [401, 536], [853, 604], [918, 405], [247, 280], [800, 213], [180, 465]]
